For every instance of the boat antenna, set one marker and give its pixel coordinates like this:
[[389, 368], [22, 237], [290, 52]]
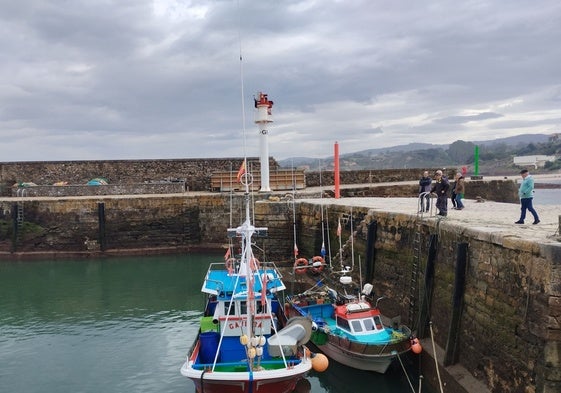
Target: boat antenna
[[294, 210], [352, 242], [339, 235], [359, 272], [322, 251], [328, 237], [242, 90]]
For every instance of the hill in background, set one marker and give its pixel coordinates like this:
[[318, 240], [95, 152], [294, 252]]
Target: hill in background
[[495, 156]]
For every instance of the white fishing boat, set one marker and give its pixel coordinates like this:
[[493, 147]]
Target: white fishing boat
[[245, 343]]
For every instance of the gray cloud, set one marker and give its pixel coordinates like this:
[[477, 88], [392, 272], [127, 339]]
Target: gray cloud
[[468, 118], [162, 79]]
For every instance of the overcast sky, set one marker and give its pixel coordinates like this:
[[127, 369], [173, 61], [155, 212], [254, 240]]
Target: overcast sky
[[141, 79]]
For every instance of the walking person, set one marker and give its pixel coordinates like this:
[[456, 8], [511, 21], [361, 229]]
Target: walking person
[[453, 192], [440, 188], [459, 191], [526, 194], [424, 188]]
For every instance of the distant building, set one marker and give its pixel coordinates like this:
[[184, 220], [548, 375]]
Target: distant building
[[535, 161]]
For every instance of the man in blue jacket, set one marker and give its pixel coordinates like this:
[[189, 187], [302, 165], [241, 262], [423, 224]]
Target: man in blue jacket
[[526, 194]]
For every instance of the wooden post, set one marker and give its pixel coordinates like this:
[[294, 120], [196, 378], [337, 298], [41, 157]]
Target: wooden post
[[451, 355], [101, 225], [371, 250], [426, 301]]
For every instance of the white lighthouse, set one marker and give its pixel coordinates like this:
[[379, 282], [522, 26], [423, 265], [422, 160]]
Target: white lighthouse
[[262, 119]]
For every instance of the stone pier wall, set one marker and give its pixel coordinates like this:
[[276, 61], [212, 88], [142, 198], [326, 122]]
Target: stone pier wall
[[510, 327], [194, 173], [510, 334]]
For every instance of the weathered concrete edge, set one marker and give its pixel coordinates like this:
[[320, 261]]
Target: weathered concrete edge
[[455, 378]]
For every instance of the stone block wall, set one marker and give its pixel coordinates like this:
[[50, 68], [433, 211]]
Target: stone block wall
[[365, 176], [109, 189], [195, 173], [73, 225], [510, 329]]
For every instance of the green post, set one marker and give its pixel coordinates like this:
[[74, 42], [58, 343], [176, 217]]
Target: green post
[[476, 161]]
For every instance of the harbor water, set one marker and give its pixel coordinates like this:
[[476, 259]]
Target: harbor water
[[120, 325]]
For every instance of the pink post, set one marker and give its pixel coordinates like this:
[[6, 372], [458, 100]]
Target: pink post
[[336, 173]]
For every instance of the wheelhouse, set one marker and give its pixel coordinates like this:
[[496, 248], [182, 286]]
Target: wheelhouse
[[358, 319]]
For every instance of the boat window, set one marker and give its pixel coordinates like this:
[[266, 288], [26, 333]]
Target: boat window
[[368, 324], [357, 326], [261, 308], [378, 322], [232, 310], [243, 308], [343, 324]]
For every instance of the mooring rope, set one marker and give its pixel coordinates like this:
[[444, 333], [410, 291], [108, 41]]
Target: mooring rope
[[435, 358], [405, 372]]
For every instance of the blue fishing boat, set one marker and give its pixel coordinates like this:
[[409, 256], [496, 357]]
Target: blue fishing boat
[[350, 330]]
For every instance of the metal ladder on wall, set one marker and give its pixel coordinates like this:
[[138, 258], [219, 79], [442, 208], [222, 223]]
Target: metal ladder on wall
[[21, 193], [414, 295]]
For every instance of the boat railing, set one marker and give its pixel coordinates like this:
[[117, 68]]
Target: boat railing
[[261, 266], [273, 363]]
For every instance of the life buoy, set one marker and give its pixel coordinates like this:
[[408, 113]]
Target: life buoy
[[254, 264], [230, 263], [317, 267], [300, 265]]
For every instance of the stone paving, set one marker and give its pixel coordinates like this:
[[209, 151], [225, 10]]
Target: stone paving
[[494, 218]]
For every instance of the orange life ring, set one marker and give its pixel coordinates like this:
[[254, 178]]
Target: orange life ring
[[230, 263], [300, 265], [254, 264], [317, 268]]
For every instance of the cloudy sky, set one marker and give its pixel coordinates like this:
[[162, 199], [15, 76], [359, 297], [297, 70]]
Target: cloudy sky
[[142, 79]]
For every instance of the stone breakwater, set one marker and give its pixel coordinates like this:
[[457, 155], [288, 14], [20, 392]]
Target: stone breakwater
[[506, 334], [505, 328]]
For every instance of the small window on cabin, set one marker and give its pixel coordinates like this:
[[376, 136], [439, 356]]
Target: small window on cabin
[[378, 323], [232, 309], [261, 308], [343, 324], [357, 326], [243, 308], [368, 324]]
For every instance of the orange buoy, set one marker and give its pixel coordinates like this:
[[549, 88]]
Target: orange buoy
[[416, 346], [320, 362], [300, 265], [317, 264]]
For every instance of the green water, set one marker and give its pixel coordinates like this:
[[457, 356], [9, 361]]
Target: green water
[[118, 325]]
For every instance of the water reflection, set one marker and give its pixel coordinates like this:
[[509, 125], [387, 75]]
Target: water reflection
[[119, 325]]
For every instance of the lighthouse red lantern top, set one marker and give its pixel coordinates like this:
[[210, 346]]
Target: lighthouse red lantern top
[[263, 100], [264, 107]]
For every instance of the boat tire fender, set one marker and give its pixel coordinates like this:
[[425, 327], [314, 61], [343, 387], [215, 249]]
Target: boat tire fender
[[300, 265], [317, 264]]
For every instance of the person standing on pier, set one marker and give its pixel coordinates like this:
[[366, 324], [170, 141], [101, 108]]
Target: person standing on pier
[[440, 188], [424, 188], [459, 190], [526, 194]]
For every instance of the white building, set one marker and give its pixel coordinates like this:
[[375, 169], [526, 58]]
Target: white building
[[536, 161]]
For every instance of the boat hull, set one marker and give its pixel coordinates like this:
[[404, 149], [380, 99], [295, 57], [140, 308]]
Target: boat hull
[[277, 381], [379, 364]]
